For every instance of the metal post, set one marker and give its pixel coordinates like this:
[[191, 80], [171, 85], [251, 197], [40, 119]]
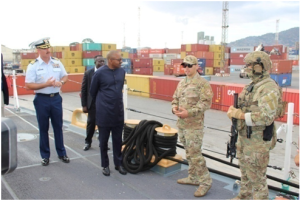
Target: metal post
[[125, 96], [288, 145], [16, 106]]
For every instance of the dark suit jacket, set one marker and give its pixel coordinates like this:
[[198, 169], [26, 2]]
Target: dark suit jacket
[[86, 98], [4, 84]]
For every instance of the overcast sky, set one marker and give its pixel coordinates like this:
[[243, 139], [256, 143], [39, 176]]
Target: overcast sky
[[161, 22]]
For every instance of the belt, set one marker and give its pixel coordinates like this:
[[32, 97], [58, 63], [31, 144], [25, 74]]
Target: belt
[[49, 95]]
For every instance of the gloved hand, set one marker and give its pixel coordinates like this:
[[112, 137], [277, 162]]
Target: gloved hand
[[235, 113]]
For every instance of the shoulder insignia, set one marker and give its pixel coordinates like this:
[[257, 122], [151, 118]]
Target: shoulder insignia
[[55, 58], [32, 62]]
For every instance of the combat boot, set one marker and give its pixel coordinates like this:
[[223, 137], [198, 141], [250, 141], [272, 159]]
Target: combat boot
[[202, 190], [188, 181], [242, 197]]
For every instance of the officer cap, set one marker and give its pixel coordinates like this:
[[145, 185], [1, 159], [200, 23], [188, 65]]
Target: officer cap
[[41, 44], [259, 57], [190, 59]]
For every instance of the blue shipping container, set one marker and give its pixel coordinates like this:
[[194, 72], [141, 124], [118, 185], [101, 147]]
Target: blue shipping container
[[133, 51], [128, 70], [201, 62], [283, 80], [294, 52]]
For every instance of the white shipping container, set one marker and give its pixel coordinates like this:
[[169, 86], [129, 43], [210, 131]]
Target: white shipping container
[[235, 69], [171, 56], [156, 56], [242, 49], [293, 57]]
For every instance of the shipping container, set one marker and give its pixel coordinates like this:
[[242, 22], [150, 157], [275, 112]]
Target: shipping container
[[73, 86], [178, 70], [89, 67], [91, 47], [237, 61], [295, 63], [158, 68], [72, 55], [237, 55], [57, 55], [168, 69], [77, 69], [90, 54], [216, 48], [128, 70], [133, 56], [199, 47], [282, 56], [281, 48], [291, 96], [144, 55], [293, 57], [218, 56], [236, 69], [64, 62], [158, 56], [227, 96], [88, 62], [174, 51], [242, 49], [209, 71], [158, 62], [281, 67], [78, 47], [143, 51], [176, 61], [26, 62], [217, 89], [142, 63], [183, 48], [73, 48], [182, 55], [157, 51], [61, 48], [140, 83], [74, 62], [294, 52], [188, 47], [126, 63], [143, 71], [29, 55], [202, 62], [104, 53], [125, 55], [108, 47], [209, 63], [163, 88], [283, 80]]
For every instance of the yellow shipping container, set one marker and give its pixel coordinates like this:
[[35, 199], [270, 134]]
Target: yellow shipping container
[[24, 67], [125, 55], [138, 82], [158, 68], [217, 56], [218, 63], [72, 55], [64, 62], [215, 48], [104, 54], [68, 69], [158, 62], [188, 47], [209, 70], [183, 54], [74, 62], [61, 48], [77, 69], [25, 62], [108, 47]]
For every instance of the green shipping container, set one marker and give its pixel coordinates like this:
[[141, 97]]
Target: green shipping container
[[91, 46], [88, 62]]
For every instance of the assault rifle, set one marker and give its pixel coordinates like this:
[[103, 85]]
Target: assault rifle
[[231, 148]]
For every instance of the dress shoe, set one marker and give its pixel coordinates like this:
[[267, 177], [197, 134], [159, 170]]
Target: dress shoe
[[87, 147], [45, 161], [64, 159], [106, 171], [121, 169]]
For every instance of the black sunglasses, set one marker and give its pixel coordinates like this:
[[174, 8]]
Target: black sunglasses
[[184, 65]]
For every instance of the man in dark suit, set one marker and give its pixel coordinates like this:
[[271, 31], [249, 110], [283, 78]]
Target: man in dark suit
[[87, 102], [106, 89], [4, 89]]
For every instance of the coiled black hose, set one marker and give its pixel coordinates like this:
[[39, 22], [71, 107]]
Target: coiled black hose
[[143, 143]]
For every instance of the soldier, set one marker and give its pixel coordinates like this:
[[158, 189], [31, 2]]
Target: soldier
[[258, 103], [192, 98]]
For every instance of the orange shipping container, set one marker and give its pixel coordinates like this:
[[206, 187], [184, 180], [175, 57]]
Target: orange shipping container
[[281, 66], [163, 88], [291, 96], [227, 96], [217, 88], [168, 69], [178, 69], [73, 84]]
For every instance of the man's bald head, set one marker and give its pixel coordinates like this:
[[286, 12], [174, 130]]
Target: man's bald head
[[114, 59], [111, 54]]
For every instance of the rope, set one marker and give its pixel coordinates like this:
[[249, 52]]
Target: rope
[[143, 144], [74, 81]]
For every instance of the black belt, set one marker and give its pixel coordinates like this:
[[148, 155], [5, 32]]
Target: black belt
[[49, 95]]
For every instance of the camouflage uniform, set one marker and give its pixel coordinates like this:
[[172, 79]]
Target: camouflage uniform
[[195, 95], [259, 107]]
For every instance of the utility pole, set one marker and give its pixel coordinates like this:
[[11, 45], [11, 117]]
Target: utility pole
[[225, 26], [139, 34], [277, 32]]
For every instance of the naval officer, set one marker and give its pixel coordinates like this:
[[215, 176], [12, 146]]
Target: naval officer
[[46, 75]]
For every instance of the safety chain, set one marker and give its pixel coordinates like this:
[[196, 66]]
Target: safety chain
[[292, 174], [74, 81], [20, 86], [296, 114]]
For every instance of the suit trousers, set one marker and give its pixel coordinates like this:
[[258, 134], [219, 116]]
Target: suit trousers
[[116, 133], [91, 123]]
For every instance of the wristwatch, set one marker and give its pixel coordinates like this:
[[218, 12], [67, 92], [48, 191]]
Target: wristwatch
[[62, 82]]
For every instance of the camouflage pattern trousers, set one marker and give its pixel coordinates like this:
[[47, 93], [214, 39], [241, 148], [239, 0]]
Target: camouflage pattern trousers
[[192, 142], [253, 158]]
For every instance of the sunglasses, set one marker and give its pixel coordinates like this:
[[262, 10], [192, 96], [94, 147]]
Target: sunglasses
[[184, 65]]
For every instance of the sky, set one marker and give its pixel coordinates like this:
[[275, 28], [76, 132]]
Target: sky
[[162, 23]]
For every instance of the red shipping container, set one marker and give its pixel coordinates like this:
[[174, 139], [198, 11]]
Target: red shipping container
[[218, 69], [227, 50], [207, 55], [227, 96], [163, 88], [142, 63], [199, 47], [73, 86], [183, 48], [29, 55], [295, 62], [79, 47], [178, 69], [20, 82], [190, 53], [281, 66], [217, 89], [90, 54], [168, 69], [237, 56], [143, 71], [173, 61], [237, 61], [269, 48], [132, 55], [174, 51], [291, 96], [157, 51], [143, 51], [73, 48], [283, 56], [209, 63], [144, 55], [57, 54]]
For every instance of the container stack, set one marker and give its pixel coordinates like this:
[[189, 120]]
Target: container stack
[[26, 58], [89, 51], [142, 66], [294, 56], [237, 56], [281, 72], [218, 58]]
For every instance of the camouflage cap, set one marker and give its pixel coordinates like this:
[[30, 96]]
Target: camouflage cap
[[259, 57], [190, 59]]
